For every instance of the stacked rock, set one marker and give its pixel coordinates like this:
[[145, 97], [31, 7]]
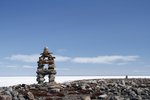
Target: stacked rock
[[46, 59]]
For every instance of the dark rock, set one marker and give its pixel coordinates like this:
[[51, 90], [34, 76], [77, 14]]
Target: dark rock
[[68, 84]]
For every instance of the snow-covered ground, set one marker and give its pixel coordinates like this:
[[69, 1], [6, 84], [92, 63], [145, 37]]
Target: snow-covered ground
[[8, 81]]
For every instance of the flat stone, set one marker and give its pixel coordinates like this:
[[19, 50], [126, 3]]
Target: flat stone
[[55, 90], [86, 98], [103, 96], [30, 96]]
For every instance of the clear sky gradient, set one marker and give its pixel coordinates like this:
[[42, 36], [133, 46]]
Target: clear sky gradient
[[88, 37]]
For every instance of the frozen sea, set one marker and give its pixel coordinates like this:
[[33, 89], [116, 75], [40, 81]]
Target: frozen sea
[[9, 81]]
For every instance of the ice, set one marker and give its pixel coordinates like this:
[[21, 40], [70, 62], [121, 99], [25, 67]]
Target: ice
[[9, 81]]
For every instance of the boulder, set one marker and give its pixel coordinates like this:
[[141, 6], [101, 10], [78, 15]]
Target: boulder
[[20, 97], [5, 97], [30, 96]]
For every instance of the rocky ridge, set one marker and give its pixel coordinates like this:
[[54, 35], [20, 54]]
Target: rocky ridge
[[95, 89]]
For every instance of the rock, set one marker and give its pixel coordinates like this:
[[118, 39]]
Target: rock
[[90, 89], [43, 88], [93, 81], [15, 98], [76, 84], [118, 98], [83, 87], [64, 86], [7, 93], [123, 83], [143, 85], [10, 89], [85, 98], [68, 84], [5, 97], [97, 88], [102, 88], [103, 96], [111, 89], [133, 83], [30, 96], [139, 97], [128, 87], [14, 93], [25, 86], [54, 90], [52, 77], [20, 97], [41, 98], [41, 79], [139, 91], [132, 95], [1, 89]]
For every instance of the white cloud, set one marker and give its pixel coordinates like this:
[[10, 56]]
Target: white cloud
[[27, 66], [24, 58], [105, 59], [18, 66], [11, 66], [113, 59], [34, 58], [63, 69], [62, 58]]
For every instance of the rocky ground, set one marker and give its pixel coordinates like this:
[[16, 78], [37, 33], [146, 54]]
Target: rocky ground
[[96, 89]]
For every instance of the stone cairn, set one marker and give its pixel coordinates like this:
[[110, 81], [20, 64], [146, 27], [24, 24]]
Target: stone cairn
[[46, 59]]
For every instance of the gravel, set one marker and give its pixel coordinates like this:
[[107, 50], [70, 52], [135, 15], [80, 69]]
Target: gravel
[[94, 89]]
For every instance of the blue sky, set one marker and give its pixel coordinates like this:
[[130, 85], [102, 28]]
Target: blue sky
[[88, 37]]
